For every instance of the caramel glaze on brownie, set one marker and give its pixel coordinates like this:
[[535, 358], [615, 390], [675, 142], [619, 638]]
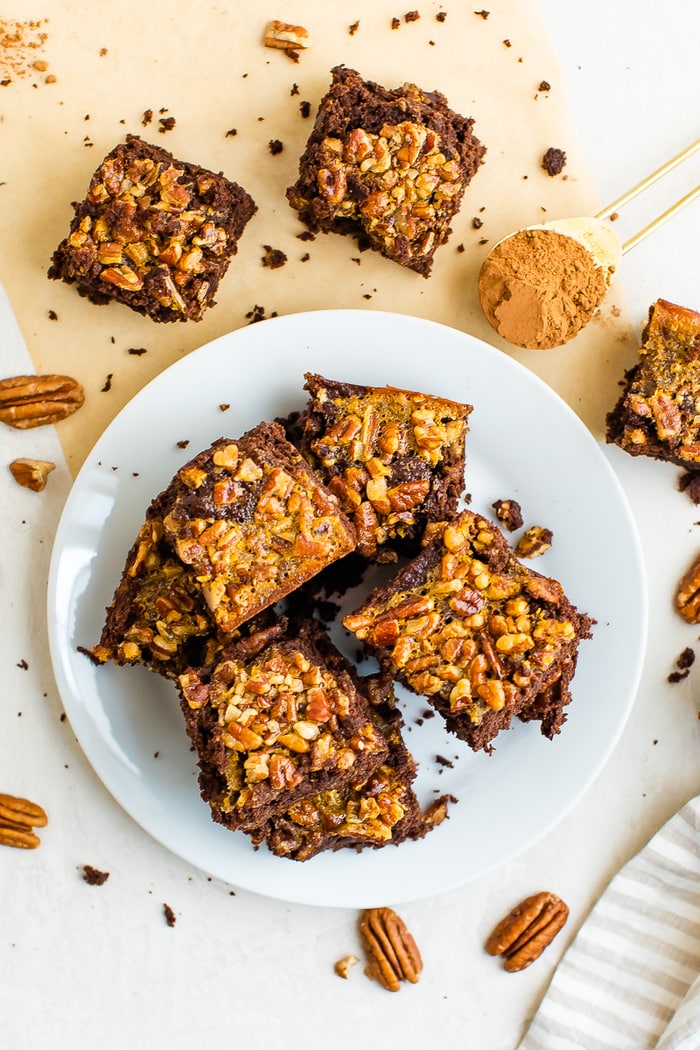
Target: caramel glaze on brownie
[[393, 458], [153, 232], [482, 636], [657, 414], [387, 166], [273, 721]]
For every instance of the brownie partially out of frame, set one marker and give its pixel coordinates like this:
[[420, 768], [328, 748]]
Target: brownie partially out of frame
[[273, 721], [482, 636], [657, 414], [387, 166], [393, 458], [154, 233], [252, 520]]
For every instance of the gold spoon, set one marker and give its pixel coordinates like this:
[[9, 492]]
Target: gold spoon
[[604, 250]]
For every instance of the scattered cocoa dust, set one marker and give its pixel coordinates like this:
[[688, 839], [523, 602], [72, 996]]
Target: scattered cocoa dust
[[539, 288], [20, 46]]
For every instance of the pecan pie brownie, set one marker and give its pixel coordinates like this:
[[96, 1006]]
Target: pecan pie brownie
[[274, 721], [387, 166], [476, 632], [393, 458], [657, 414], [154, 233]]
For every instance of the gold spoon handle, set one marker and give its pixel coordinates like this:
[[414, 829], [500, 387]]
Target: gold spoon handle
[[633, 241], [649, 181]]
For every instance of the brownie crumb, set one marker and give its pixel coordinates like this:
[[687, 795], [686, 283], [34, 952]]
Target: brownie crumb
[[442, 761], [275, 146], [53, 316], [23, 665], [477, 223], [224, 407], [461, 248], [273, 257], [507, 43], [169, 914], [166, 124], [62, 717], [509, 513], [184, 443], [690, 484], [137, 351], [88, 652], [353, 28], [108, 383], [483, 14], [614, 216], [554, 161], [231, 132], [441, 16], [258, 314], [93, 876], [147, 117], [305, 257], [544, 86], [395, 23], [305, 109], [295, 90], [411, 16], [306, 235]]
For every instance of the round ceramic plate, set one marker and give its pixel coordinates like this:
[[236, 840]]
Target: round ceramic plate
[[524, 443]]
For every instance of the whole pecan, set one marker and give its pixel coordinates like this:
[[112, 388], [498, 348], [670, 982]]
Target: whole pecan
[[33, 401], [18, 818], [527, 930], [392, 955]]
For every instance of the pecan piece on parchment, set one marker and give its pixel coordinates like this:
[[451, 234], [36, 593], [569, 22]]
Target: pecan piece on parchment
[[392, 954], [31, 473], [34, 401], [18, 818], [688, 593], [527, 930]]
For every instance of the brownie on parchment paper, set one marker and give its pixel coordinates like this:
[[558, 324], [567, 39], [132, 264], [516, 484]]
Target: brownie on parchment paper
[[387, 166], [153, 232]]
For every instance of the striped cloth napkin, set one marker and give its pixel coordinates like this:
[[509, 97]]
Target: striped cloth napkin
[[631, 978]]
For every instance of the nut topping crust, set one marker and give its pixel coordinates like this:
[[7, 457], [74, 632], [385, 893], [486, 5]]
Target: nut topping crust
[[527, 930]]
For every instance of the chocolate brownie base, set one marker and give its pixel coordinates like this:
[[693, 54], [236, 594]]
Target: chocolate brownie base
[[657, 413], [393, 458], [274, 721], [479, 634], [389, 167], [154, 233]]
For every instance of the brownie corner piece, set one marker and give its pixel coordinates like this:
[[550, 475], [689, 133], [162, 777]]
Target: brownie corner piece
[[479, 634], [274, 719], [154, 233], [388, 166], [393, 458], [656, 414]]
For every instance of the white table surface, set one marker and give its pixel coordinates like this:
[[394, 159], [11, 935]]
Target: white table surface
[[83, 966]]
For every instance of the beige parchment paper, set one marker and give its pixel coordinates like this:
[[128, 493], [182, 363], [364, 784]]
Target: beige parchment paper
[[204, 65]]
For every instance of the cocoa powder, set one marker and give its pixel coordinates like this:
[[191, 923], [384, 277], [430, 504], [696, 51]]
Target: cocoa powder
[[539, 288]]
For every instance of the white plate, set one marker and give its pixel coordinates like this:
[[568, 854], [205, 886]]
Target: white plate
[[524, 443]]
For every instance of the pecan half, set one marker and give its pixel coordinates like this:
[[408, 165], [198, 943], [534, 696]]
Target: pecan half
[[392, 955], [31, 473], [527, 930], [18, 817], [34, 401], [688, 594]]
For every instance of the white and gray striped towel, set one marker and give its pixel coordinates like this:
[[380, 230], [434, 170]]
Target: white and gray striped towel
[[631, 978]]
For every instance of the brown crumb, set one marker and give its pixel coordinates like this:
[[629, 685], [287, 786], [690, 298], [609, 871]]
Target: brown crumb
[[295, 90], [147, 117], [305, 109], [93, 876], [544, 86], [108, 383], [169, 914], [305, 257], [224, 406], [411, 16], [441, 16], [483, 14], [614, 216], [137, 351], [307, 235], [554, 161], [231, 132], [353, 28], [166, 124], [509, 513], [275, 147], [53, 316], [183, 443], [103, 52], [23, 665], [442, 761], [395, 23], [273, 257], [461, 248], [690, 484], [507, 43], [477, 223]]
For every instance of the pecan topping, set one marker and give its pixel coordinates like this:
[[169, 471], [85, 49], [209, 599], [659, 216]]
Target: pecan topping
[[31, 473], [33, 401], [688, 594], [392, 955], [18, 818], [525, 932]]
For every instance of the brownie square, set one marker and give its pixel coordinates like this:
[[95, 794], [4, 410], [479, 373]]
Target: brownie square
[[393, 458], [274, 721], [389, 167], [482, 636], [253, 522], [153, 232], [657, 414]]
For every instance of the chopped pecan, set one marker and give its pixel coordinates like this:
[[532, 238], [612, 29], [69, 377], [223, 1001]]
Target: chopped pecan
[[344, 965], [286, 37], [688, 593], [18, 818], [392, 955], [33, 401], [31, 473], [527, 930], [509, 513], [534, 542]]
